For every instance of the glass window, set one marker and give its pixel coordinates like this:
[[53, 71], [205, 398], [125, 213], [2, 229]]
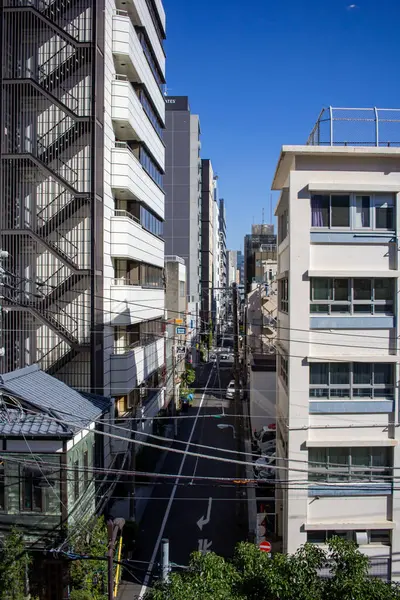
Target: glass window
[[379, 536], [362, 215], [86, 468], [340, 211], [362, 373], [383, 289], [349, 464], [32, 491], [322, 289], [76, 481], [320, 211], [319, 373], [384, 213], [362, 289], [316, 537], [341, 289], [339, 373]]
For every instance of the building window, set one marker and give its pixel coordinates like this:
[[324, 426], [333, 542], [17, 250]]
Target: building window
[[151, 276], [127, 272], [151, 113], [283, 292], [283, 226], [150, 222], [151, 331], [182, 289], [150, 166], [353, 211], [148, 52], [349, 464], [373, 536], [351, 380], [351, 296], [283, 369], [76, 481], [126, 338], [86, 469], [32, 499]]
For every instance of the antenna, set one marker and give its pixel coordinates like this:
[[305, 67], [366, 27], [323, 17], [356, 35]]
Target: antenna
[[262, 221]]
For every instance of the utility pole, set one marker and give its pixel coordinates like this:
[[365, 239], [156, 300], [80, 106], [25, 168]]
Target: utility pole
[[113, 527], [236, 370], [164, 559]]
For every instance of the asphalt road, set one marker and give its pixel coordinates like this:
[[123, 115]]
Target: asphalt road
[[191, 514]]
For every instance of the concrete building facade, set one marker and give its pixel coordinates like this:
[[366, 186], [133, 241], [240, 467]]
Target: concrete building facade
[[182, 227], [338, 349], [208, 250]]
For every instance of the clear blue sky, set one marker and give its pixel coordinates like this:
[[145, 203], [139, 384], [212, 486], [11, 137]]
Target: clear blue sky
[[258, 73]]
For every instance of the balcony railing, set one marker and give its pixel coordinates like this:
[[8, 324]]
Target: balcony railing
[[379, 127], [125, 349], [125, 213]]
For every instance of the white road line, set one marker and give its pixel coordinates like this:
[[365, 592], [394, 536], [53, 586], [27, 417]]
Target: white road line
[[171, 499]]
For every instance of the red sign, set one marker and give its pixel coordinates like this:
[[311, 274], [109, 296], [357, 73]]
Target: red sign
[[265, 546]]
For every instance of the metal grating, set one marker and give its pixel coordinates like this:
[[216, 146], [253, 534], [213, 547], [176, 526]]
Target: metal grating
[[46, 178]]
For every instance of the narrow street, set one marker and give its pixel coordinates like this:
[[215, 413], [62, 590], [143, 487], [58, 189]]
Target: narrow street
[[191, 514]]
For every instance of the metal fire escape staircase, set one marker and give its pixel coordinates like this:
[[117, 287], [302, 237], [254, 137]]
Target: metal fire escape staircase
[[51, 157]]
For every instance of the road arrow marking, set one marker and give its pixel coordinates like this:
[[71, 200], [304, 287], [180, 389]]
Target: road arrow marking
[[204, 546], [204, 520]]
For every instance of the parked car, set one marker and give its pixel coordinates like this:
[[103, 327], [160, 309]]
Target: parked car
[[212, 356], [230, 390]]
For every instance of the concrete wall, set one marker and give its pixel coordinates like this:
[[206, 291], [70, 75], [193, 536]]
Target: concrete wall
[[303, 254]]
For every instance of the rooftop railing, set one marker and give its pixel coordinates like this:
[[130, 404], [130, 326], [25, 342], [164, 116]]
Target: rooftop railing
[[371, 127]]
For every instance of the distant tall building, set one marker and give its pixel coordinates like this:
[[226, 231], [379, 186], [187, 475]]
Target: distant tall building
[[231, 265], [222, 257], [207, 241], [262, 239], [182, 184]]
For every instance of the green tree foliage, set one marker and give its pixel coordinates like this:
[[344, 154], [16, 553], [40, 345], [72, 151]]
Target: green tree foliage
[[14, 563], [188, 376], [254, 575], [90, 575]]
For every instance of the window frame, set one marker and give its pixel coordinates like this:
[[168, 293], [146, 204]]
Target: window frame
[[349, 472], [376, 199], [76, 481], [352, 301], [352, 385], [283, 294], [31, 492], [283, 369]]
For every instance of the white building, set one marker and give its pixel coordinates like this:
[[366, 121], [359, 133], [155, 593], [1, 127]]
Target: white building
[[337, 344], [82, 193]]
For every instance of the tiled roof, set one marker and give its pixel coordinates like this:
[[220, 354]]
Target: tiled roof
[[15, 423], [45, 392]]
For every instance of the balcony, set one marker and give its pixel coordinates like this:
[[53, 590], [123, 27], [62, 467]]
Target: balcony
[[131, 366], [130, 181], [139, 14], [130, 240], [132, 304], [131, 121], [130, 59]]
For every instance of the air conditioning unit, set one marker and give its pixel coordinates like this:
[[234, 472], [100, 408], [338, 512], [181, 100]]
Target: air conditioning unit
[[361, 538]]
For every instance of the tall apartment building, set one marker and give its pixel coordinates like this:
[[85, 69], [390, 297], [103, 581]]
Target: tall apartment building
[[261, 239], [182, 227], [82, 161], [338, 337], [222, 260], [208, 183]]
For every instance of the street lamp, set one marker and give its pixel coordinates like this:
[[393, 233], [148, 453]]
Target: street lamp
[[225, 426]]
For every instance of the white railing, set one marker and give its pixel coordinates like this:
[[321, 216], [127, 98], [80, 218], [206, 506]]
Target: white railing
[[124, 281], [125, 213]]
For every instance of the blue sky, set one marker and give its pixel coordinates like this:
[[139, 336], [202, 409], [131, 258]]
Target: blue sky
[[258, 73]]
